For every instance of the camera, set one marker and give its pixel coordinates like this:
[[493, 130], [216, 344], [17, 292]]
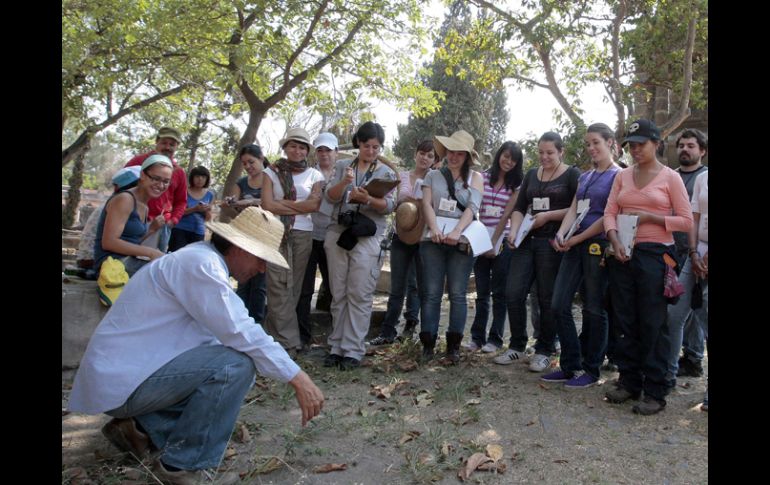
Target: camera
[[347, 218]]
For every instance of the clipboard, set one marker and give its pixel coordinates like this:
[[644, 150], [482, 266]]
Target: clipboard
[[380, 187]]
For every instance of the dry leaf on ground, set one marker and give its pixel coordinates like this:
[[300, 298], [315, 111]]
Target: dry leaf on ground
[[495, 452], [243, 435], [270, 465], [472, 402], [472, 464], [330, 467], [491, 466], [408, 436], [407, 366], [446, 448]]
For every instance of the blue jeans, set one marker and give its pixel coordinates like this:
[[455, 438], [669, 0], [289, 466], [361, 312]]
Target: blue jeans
[[534, 261], [491, 276], [640, 310], [317, 260], [253, 293], [189, 406], [580, 270], [442, 263], [405, 272], [678, 316]]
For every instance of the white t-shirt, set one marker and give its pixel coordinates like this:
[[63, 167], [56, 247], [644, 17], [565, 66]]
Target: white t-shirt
[[700, 204], [303, 184]]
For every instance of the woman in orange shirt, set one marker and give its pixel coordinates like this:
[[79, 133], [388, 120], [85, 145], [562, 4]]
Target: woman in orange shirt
[[657, 196]]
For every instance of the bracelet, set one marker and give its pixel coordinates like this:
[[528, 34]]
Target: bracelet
[[692, 251]]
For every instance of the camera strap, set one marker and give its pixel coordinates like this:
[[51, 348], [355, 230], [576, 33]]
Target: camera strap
[[451, 186]]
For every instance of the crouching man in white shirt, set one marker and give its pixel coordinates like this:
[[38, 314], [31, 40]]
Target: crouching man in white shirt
[[176, 354]]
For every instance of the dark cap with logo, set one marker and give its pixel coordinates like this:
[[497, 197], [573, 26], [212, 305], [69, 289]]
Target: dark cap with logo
[[642, 130]]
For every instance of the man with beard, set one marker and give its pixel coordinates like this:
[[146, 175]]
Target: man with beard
[[691, 147], [174, 200]]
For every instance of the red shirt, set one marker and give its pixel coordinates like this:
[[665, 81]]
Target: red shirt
[[173, 201]]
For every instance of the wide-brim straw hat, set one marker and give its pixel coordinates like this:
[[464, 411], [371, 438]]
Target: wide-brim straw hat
[[410, 222], [256, 231], [297, 134], [460, 141]]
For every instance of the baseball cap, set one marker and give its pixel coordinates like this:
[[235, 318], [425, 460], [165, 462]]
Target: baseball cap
[[327, 140], [640, 131]]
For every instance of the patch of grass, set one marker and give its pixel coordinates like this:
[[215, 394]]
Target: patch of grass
[[455, 388]]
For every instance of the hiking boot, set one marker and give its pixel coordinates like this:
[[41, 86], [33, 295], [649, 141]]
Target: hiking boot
[[471, 346], [349, 363], [689, 368], [649, 405], [453, 340], [490, 348], [124, 434], [581, 380], [428, 341], [379, 341], [408, 332], [620, 395], [192, 477], [332, 360], [558, 376], [508, 357], [539, 363]]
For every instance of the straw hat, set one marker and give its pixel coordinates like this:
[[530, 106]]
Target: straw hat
[[460, 141], [256, 231], [410, 222], [296, 134]]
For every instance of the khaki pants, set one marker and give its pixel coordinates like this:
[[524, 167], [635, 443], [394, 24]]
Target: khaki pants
[[284, 287], [352, 279]]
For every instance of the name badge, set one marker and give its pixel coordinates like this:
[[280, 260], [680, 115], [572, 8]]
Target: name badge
[[583, 205], [492, 211], [447, 205], [541, 204]]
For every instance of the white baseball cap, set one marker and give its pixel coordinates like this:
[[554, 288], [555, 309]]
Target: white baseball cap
[[327, 140]]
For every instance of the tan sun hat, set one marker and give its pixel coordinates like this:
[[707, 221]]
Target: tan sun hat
[[256, 231], [460, 141], [297, 134], [410, 222]]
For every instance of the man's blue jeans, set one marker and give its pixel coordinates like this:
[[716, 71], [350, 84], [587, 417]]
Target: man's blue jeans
[[679, 320], [534, 261], [580, 270], [254, 293], [405, 275], [444, 263], [491, 276], [640, 311], [189, 406]]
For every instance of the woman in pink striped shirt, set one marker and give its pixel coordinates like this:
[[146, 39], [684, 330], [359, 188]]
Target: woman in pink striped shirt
[[657, 195]]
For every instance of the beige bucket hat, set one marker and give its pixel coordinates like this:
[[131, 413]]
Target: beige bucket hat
[[256, 231], [460, 141], [297, 134], [410, 222]]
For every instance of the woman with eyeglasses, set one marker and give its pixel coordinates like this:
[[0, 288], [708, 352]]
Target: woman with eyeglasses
[[123, 224]]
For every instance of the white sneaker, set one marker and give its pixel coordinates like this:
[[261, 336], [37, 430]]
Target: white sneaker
[[539, 363], [489, 348], [471, 346], [508, 357]]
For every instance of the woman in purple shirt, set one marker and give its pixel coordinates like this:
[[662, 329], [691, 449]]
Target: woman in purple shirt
[[583, 247]]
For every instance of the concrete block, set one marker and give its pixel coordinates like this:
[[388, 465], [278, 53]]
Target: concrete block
[[81, 312]]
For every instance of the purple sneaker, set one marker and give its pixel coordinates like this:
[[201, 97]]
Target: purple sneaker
[[581, 380], [558, 376]]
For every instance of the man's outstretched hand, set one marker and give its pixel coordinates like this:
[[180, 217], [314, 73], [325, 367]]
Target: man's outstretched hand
[[309, 397]]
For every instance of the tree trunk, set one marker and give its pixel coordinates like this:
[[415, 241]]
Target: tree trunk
[[79, 148], [249, 135], [73, 195]]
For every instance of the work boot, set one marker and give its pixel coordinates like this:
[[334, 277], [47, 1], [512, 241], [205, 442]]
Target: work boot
[[428, 344], [649, 405], [193, 477], [453, 340], [689, 368], [620, 395], [408, 332], [124, 434]]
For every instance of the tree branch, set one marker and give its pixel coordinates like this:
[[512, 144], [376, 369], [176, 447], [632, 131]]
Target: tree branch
[[684, 104]]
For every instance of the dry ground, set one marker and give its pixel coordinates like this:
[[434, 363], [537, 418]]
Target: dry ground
[[426, 423]]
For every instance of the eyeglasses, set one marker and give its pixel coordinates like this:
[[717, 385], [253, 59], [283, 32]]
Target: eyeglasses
[[159, 180]]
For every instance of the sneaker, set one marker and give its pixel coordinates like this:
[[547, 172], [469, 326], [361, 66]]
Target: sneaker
[[192, 477], [508, 357], [539, 363], [689, 368], [124, 434], [490, 348], [380, 340], [620, 395], [332, 360], [558, 376], [581, 380], [471, 346], [649, 405], [349, 363]]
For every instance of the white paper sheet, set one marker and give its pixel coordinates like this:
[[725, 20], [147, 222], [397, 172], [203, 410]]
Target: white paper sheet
[[526, 225], [476, 233], [627, 225]]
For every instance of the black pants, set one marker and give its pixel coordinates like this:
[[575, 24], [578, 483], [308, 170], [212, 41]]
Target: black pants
[[181, 238], [317, 260]]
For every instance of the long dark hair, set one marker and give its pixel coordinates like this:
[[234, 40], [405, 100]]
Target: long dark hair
[[514, 176]]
